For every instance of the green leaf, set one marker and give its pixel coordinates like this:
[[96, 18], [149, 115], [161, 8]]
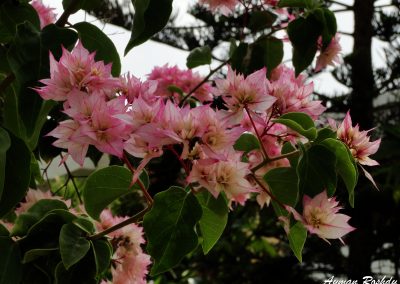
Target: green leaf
[[38, 210], [297, 238], [169, 227], [260, 20], [73, 245], [238, 57], [4, 67], [325, 133], [304, 33], [317, 171], [105, 185], [246, 143], [10, 261], [345, 165], [25, 54], [283, 183], [266, 52], [3, 231], [17, 175], [84, 224], [213, 220], [5, 144], [87, 5], [96, 40], [299, 122], [151, 16], [102, 254], [293, 3], [33, 254], [11, 117], [199, 56], [13, 14], [288, 148], [327, 20]]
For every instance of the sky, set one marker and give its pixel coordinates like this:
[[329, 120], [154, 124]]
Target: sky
[[141, 59]]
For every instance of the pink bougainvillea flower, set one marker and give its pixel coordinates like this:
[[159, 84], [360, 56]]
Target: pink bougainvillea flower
[[241, 93], [358, 142], [77, 70], [132, 88], [292, 94], [320, 217], [228, 176], [186, 80], [70, 136], [46, 14], [226, 7], [217, 135], [130, 263], [330, 55]]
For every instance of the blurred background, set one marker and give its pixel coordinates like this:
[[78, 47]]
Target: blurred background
[[253, 247]]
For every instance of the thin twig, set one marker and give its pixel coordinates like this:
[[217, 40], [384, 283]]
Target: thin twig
[[284, 156], [273, 197], [71, 177], [258, 135], [124, 223], [339, 3], [149, 199]]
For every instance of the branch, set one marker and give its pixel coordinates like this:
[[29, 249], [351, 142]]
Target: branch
[[202, 82], [124, 223], [340, 3], [67, 12], [149, 199]]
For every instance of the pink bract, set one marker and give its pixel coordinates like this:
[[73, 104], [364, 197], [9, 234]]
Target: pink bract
[[45, 13], [320, 217]]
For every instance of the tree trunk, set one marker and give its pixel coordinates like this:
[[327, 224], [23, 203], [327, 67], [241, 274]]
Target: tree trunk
[[363, 84], [361, 248]]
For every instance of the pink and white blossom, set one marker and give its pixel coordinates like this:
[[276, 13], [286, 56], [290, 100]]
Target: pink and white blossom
[[225, 7], [330, 55], [320, 216], [358, 141]]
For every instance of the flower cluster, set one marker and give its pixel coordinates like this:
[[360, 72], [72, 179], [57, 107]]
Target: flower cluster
[[129, 263], [145, 119]]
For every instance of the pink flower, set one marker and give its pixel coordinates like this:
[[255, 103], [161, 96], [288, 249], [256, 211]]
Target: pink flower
[[292, 95], [186, 80], [226, 7], [330, 55], [241, 93], [77, 70], [70, 136], [358, 142], [130, 262], [227, 176], [132, 88], [45, 13], [320, 217]]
